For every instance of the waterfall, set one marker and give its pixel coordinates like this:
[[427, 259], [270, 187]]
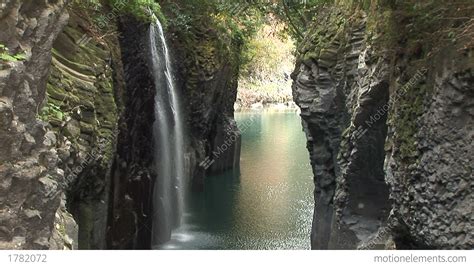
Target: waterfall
[[170, 186]]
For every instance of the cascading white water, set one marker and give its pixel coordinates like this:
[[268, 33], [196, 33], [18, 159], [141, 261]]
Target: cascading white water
[[169, 190]]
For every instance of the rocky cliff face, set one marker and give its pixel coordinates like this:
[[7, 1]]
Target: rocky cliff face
[[338, 84], [81, 106], [76, 127], [387, 118], [429, 152], [207, 73], [30, 179], [207, 86], [131, 208]]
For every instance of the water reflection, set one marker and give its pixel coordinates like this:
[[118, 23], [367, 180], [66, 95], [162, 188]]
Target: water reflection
[[268, 205]]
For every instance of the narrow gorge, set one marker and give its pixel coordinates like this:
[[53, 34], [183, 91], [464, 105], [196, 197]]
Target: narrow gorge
[[191, 124]]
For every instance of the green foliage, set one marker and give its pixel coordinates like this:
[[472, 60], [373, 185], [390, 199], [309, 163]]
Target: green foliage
[[234, 21], [51, 111], [141, 9], [245, 17], [423, 27], [267, 61], [93, 4], [268, 54], [297, 15], [7, 57]]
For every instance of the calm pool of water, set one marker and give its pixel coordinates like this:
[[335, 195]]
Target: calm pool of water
[[268, 205]]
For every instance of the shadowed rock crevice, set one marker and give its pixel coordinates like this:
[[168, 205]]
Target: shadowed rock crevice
[[130, 207]]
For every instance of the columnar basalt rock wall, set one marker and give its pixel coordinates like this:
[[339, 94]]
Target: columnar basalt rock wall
[[207, 77], [387, 114], [207, 89], [30, 192], [338, 83], [76, 130], [131, 206], [81, 107], [430, 174]]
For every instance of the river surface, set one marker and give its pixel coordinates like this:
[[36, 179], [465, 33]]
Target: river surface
[[268, 205]]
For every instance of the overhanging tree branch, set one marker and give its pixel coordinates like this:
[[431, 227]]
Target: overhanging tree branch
[[290, 20]]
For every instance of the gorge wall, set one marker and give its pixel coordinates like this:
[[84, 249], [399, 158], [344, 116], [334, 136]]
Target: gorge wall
[[76, 108], [83, 102], [206, 81], [388, 109], [207, 69], [30, 192], [76, 123]]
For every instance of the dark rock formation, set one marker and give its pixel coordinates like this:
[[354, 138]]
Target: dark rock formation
[[430, 172], [130, 213], [59, 132], [30, 192], [207, 77], [387, 121], [207, 85], [338, 84], [83, 112]]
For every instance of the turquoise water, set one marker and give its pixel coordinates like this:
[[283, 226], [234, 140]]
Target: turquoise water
[[268, 205]]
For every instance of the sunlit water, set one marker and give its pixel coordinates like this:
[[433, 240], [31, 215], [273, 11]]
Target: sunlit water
[[268, 205]]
